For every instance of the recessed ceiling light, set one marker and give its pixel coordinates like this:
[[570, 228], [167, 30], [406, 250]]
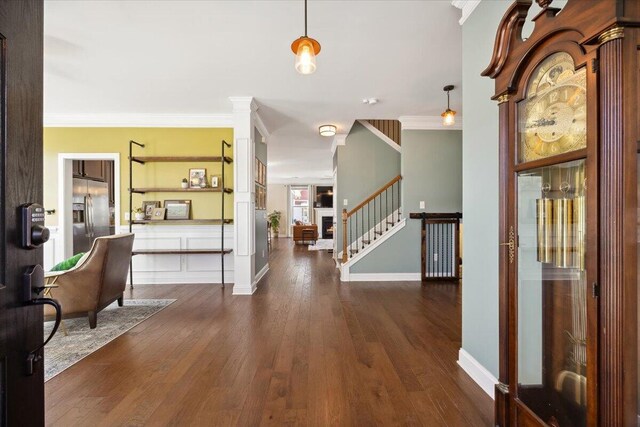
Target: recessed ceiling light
[[327, 130]]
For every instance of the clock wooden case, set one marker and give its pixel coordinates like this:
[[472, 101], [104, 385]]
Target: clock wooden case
[[568, 100]]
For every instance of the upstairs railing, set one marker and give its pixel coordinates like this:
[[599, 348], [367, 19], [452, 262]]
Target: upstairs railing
[[392, 129], [371, 218]]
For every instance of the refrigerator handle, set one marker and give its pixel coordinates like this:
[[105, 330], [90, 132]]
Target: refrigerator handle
[[86, 216], [92, 231]]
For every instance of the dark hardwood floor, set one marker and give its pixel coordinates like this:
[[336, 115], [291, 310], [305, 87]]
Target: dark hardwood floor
[[305, 350]]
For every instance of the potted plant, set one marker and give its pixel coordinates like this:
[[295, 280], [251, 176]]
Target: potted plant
[[185, 183], [274, 222], [138, 214]]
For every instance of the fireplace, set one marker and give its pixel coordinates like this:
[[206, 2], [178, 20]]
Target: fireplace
[[327, 227]]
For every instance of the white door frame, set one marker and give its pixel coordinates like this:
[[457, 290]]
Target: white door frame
[[65, 193]]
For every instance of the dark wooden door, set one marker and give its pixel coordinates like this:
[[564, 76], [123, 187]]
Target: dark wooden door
[[21, 74]]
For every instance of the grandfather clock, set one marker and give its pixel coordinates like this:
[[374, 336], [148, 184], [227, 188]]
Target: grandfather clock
[[568, 99]]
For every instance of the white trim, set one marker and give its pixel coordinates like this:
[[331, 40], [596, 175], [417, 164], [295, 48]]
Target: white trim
[[477, 372], [242, 290], [390, 142], [139, 120], [338, 140], [260, 275], [384, 277], [428, 123], [300, 181], [65, 190], [467, 7]]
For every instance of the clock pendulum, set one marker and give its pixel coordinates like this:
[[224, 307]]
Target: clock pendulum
[[544, 225]]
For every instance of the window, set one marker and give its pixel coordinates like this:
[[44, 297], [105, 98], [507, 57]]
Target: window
[[299, 204]]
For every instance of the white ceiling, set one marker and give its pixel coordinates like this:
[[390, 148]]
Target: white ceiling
[[188, 57]]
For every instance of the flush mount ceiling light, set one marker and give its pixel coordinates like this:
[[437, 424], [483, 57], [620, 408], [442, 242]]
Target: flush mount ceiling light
[[370, 101], [449, 116], [327, 130], [305, 49]]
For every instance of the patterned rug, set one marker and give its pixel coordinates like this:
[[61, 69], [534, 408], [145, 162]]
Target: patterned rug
[[80, 341], [322, 245]]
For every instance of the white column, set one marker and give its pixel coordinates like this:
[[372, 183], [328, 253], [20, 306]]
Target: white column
[[244, 200]]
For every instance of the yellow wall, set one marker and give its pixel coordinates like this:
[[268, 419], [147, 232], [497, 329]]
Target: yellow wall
[[158, 142]]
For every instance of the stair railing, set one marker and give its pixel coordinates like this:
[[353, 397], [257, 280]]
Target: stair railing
[[370, 218]]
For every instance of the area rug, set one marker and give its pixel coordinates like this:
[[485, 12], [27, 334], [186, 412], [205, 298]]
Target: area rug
[[63, 351], [322, 245]]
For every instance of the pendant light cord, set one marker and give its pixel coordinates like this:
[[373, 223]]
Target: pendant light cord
[[305, 18], [448, 106]]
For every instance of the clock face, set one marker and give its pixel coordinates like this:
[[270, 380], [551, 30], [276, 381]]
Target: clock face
[[553, 116]]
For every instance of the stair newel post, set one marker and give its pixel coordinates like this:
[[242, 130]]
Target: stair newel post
[[344, 235]]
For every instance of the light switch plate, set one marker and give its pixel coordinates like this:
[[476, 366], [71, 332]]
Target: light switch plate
[[127, 216], [345, 202], [422, 204]]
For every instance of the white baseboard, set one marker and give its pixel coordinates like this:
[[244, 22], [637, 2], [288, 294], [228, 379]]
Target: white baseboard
[[179, 278], [384, 277], [260, 275], [477, 372], [244, 290]]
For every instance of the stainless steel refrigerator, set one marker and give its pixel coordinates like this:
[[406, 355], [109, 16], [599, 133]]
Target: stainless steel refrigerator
[[90, 213]]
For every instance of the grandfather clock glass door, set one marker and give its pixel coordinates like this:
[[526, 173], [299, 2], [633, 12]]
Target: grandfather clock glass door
[[551, 280]]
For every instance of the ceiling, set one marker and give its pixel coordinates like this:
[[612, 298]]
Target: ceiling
[[188, 57]]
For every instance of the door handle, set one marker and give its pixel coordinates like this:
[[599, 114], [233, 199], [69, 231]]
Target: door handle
[[33, 285]]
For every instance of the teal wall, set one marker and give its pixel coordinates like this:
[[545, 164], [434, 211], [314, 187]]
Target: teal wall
[[480, 182], [480, 188], [431, 165], [364, 164], [262, 252]]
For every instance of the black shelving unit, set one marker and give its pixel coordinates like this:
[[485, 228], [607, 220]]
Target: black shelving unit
[[142, 160]]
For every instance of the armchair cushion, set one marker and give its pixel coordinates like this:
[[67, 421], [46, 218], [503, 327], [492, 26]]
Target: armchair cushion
[[69, 263]]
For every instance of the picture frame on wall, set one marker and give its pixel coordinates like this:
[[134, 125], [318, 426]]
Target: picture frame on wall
[[158, 214], [197, 178], [178, 209], [148, 207]]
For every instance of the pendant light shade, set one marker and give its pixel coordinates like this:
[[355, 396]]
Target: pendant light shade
[[305, 49], [449, 116]]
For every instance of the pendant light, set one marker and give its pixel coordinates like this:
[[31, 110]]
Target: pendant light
[[449, 116], [305, 49]]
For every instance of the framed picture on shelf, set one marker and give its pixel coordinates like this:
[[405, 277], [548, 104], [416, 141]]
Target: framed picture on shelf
[[148, 206], [197, 178], [178, 209], [158, 214]]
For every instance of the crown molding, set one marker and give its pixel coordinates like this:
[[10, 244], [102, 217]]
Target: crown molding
[[467, 7], [257, 119], [428, 123], [300, 181], [139, 120]]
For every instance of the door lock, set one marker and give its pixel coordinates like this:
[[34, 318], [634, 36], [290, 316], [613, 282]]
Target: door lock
[[34, 233]]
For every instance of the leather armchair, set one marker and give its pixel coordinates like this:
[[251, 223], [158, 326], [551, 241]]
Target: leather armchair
[[96, 281], [305, 233]]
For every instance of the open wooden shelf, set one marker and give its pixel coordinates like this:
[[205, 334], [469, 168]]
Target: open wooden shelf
[[183, 221], [180, 251], [181, 190], [177, 159]]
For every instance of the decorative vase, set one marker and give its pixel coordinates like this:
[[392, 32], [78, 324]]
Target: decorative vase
[[139, 216], [276, 233], [185, 184]]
